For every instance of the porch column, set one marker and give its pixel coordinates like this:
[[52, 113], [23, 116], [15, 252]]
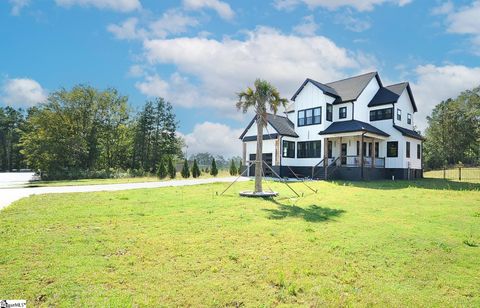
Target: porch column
[[373, 153], [341, 154], [361, 156], [325, 156], [244, 153]]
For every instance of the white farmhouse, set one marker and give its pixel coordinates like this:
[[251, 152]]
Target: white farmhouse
[[351, 129]]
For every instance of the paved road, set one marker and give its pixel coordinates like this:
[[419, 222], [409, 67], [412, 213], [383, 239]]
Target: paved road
[[9, 195]]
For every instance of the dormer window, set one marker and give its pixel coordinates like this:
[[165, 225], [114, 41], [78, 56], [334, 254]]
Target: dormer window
[[342, 113], [409, 119], [399, 115], [310, 116]]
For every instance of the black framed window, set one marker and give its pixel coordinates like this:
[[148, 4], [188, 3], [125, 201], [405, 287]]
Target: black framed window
[[330, 149], [381, 114], [329, 112], [342, 112], [419, 151], [409, 119], [399, 115], [358, 148], [309, 149], [288, 149], [407, 149], [310, 116], [392, 149], [377, 149]]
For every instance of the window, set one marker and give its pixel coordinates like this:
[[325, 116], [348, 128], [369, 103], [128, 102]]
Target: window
[[329, 149], [419, 151], [309, 149], [399, 115], [409, 119], [288, 149], [310, 116], [392, 149], [342, 112], [377, 149], [358, 148], [329, 112], [381, 114], [408, 149]]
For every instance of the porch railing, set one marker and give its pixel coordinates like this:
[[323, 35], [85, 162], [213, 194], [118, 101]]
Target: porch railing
[[355, 161]]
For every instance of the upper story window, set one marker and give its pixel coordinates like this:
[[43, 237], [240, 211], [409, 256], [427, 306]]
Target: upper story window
[[310, 116], [329, 112], [381, 114], [342, 112], [399, 115], [409, 119], [288, 149]]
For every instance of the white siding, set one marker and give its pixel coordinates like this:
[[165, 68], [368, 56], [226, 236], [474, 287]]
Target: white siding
[[405, 105], [361, 104]]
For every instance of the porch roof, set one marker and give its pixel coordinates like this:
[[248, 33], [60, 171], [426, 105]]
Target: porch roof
[[409, 133], [352, 126]]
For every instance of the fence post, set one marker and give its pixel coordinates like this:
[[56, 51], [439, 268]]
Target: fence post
[[459, 173]]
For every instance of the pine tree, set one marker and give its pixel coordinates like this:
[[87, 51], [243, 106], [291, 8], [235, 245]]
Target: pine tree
[[162, 169], [239, 171], [195, 170], [185, 170], [172, 172], [233, 168], [214, 170]]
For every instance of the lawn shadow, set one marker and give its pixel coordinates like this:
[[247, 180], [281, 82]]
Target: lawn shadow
[[311, 213], [435, 184]]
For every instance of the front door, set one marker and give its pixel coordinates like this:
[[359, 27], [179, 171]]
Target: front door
[[344, 153]]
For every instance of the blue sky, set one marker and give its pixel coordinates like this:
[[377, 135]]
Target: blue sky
[[198, 53]]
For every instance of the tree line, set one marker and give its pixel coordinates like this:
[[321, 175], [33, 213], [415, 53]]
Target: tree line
[[453, 133], [86, 132]]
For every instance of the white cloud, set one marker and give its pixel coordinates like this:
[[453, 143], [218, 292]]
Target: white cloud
[[308, 26], [360, 5], [464, 20], [116, 5], [214, 138], [437, 83], [222, 8], [153, 86], [221, 68], [22, 92], [352, 23], [170, 23], [18, 5]]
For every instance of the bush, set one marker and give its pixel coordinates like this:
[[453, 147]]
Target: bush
[[195, 170], [162, 170], [233, 168], [239, 170], [185, 170], [172, 172], [214, 170]]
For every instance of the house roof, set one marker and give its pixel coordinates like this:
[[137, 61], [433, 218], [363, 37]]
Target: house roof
[[352, 126], [326, 89], [409, 133], [391, 94], [350, 89], [282, 125]]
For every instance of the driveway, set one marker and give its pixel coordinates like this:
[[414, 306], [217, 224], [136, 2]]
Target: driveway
[[9, 195]]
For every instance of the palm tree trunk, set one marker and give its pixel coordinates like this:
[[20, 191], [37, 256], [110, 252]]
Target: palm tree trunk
[[259, 155]]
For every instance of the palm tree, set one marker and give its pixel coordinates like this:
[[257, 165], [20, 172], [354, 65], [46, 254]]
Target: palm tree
[[262, 97]]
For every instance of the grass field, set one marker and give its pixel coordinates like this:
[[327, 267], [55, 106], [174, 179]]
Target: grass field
[[221, 173], [401, 244]]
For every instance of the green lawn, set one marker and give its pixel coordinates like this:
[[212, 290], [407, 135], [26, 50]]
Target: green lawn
[[221, 173], [401, 244]]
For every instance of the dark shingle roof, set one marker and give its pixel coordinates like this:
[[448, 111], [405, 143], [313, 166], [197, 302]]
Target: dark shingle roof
[[390, 95], [326, 89], [350, 89], [352, 126], [282, 125], [409, 133]]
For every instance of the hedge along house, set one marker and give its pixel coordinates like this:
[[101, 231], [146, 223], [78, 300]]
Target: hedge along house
[[350, 129]]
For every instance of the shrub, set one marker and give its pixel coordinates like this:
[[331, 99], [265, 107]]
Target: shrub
[[233, 168], [239, 170], [162, 170], [195, 170], [214, 170], [172, 172], [185, 170]]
